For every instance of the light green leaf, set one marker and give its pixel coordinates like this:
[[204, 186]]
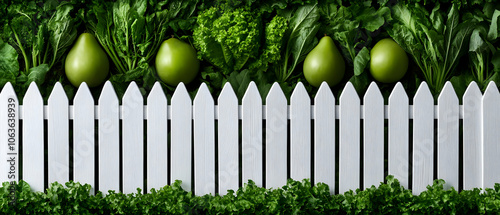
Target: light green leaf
[[361, 61]]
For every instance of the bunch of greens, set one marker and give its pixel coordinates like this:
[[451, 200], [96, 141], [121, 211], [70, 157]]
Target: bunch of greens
[[41, 33], [296, 197], [436, 41], [484, 56], [131, 32]]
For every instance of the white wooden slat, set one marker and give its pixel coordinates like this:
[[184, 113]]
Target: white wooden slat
[[228, 130], [300, 133], [373, 137], [324, 137], [58, 136], [204, 142], [423, 139], [9, 125], [472, 146], [349, 134], [252, 163], [133, 139], [108, 140], [398, 117], [157, 137], [33, 139], [276, 137], [491, 136], [181, 145], [84, 137], [447, 148]]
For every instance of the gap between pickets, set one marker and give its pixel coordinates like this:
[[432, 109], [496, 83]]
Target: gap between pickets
[[216, 112]]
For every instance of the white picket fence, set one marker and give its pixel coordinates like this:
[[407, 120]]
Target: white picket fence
[[131, 145]]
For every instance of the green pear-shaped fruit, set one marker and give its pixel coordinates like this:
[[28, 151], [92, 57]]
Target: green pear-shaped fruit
[[86, 62], [324, 63], [176, 62]]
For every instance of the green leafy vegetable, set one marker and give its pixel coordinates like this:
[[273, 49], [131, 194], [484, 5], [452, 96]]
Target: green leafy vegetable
[[436, 46]]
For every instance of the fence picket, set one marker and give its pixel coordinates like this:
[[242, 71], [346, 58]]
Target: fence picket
[[181, 144], [349, 131], [276, 137], [228, 130], [84, 137], [58, 135], [33, 139], [133, 138], [204, 142], [447, 148], [300, 137], [472, 146], [398, 117], [108, 140], [324, 137], [252, 136], [9, 125], [373, 137], [423, 139], [491, 136], [157, 137]]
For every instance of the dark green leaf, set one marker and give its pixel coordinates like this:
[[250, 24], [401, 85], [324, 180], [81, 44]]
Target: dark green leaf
[[361, 61]]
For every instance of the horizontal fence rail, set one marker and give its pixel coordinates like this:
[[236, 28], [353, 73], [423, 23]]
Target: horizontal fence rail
[[217, 145]]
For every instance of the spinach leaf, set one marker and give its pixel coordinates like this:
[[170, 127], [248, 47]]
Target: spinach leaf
[[434, 45], [300, 39], [9, 66]]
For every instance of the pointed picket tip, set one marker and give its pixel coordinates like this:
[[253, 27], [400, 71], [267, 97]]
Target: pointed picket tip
[[83, 92], [473, 88], [324, 92], [448, 93], [472, 96], [423, 92], [156, 93], [203, 93], [133, 93], [275, 94], [58, 93], [181, 93], [108, 92], [299, 92], [491, 90], [373, 91], [32, 93], [398, 93], [349, 92], [8, 88], [252, 94], [227, 94]]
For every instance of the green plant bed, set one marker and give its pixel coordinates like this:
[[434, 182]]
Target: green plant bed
[[296, 197]]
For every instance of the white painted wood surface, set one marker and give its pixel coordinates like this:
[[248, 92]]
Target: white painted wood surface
[[324, 137], [157, 139], [423, 139], [181, 144], [252, 154], [349, 134], [472, 145], [480, 126], [33, 139], [84, 137], [491, 135], [228, 147], [133, 139], [58, 136], [447, 137], [204, 142], [300, 137], [108, 140], [398, 117], [9, 125], [373, 137], [276, 138]]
